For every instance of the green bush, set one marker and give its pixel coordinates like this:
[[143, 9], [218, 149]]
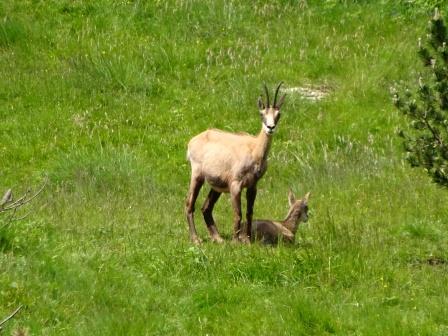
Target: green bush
[[427, 107]]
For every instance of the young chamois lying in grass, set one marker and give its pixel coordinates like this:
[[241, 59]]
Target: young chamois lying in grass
[[271, 232]]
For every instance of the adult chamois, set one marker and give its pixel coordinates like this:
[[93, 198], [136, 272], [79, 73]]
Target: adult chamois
[[230, 162]]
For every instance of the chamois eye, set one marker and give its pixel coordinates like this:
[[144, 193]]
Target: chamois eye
[[277, 116]]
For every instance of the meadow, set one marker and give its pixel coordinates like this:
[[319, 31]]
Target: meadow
[[102, 97]]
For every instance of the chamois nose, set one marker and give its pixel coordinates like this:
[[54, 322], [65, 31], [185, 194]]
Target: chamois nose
[[268, 128]]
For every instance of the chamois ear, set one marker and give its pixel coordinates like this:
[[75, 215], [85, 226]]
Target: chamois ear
[[307, 196], [260, 104], [291, 197]]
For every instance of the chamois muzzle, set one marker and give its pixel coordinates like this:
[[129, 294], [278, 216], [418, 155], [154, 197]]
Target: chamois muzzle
[[270, 129]]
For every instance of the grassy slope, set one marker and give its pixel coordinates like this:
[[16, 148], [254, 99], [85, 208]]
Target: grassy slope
[[104, 97]]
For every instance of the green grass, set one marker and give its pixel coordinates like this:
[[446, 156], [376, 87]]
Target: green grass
[[103, 96]]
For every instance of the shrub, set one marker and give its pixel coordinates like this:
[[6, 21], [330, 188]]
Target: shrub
[[427, 107]]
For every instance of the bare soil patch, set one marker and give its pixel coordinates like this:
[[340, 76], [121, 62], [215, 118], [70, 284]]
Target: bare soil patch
[[310, 92]]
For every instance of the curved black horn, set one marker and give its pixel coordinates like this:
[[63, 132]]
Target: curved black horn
[[267, 95], [276, 93]]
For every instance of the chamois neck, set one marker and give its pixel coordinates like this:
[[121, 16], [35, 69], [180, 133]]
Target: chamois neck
[[291, 220], [263, 145]]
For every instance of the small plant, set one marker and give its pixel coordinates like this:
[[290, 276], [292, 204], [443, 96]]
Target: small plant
[[6, 319], [427, 108], [9, 205]]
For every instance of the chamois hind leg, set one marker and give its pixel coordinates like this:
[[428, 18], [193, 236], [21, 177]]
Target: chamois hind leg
[[251, 194], [195, 186], [207, 211]]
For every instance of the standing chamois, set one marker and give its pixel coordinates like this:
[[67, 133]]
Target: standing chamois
[[271, 231], [230, 162]]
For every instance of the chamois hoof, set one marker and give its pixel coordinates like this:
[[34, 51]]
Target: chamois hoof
[[217, 239], [245, 240], [196, 240], [242, 239]]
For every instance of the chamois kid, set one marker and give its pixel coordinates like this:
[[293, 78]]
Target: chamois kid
[[230, 162], [271, 231]]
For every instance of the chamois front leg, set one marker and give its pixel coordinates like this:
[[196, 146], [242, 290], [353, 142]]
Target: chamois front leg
[[207, 211], [235, 195], [251, 194], [195, 186]]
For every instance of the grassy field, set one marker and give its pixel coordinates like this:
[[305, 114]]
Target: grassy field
[[103, 96]]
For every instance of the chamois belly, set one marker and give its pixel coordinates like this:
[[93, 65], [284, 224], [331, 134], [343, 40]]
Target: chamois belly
[[218, 184], [247, 177]]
